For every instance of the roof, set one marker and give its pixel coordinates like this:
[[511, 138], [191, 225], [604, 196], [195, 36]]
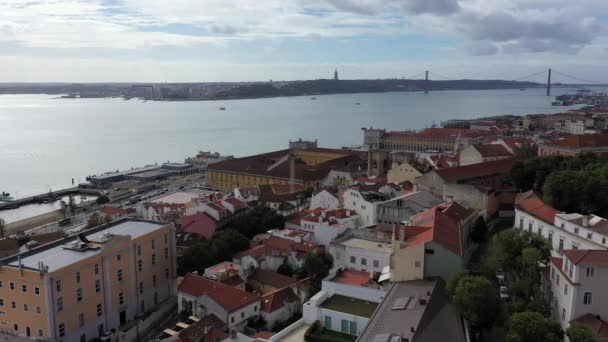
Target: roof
[[45, 238], [273, 279], [350, 305], [587, 256], [442, 133], [9, 244], [532, 204], [230, 298], [235, 202], [381, 247], [117, 211], [558, 263], [429, 322], [200, 224], [234, 280], [352, 277], [598, 326], [56, 257], [275, 300], [180, 197], [257, 252], [196, 331], [223, 267], [581, 141], [490, 150], [460, 174]]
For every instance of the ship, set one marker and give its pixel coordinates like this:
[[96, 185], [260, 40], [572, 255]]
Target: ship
[[222, 108], [5, 197]]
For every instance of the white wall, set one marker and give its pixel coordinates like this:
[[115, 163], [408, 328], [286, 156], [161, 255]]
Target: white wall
[[280, 315], [383, 259], [324, 199], [337, 317], [469, 156], [360, 292], [366, 210]]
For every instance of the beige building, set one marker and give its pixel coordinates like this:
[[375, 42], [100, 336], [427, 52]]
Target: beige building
[[476, 154], [402, 172], [76, 288]]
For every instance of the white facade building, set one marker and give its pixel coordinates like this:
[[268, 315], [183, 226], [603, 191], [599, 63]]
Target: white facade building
[[325, 199], [361, 254]]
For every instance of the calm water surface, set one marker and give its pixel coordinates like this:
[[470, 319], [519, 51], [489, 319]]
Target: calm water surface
[[45, 142]]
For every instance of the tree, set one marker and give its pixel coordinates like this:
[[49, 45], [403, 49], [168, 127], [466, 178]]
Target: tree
[[564, 190], [72, 205], [103, 199], [533, 327], [226, 243], [285, 268], [256, 221], [2, 226], [108, 218], [317, 265], [94, 220], [197, 258], [453, 282], [477, 299], [579, 333]]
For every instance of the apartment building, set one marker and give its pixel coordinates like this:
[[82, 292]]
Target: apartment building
[[563, 231], [577, 285], [76, 288]]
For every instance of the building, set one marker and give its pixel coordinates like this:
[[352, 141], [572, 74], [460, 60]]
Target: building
[[200, 297], [279, 306], [326, 225], [402, 172], [482, 153], [273, 252], [364, 199], [577, 283], [302, 144], [327, 198], [79, 287], [311, 167], [438, 140], [401, 208], [367, 254], [471, 185], [415, 311], [199, 224], [575, 144]]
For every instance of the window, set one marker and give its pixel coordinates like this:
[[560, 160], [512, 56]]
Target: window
[[587, 298], [121, 298], [550, 238], [363, 261], [603, 241], [521, 223], [97, 285], [576, 231], [40, 333], [344, 326], [353, 260], [328, 322], [13, 305], [561, 246], [37, 291], [155, 298], [166, 253], [138, 249], [12, 286], [153, 244], [119, 274], [353, 328], [23, 288], [166, 238], [0, 283], [38, 310], [99, 310], [141, 287], [590, 271], [96, 269], [153, 259], [26, 307], [60, 304], [79, 294], [1, 302], [557, 279], [166, 273], [15, 327], [540, 230], [255, 308], [590, 236], [81, 320], [118, 257], [58, 284], [530, 226], [78, 277], [61, 330], [154, 280], [565, 288], [376, 263], [563, 314], [139, 265], [242, 315], [232, 319]]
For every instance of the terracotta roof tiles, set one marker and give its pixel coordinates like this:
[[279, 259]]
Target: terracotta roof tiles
[[228, 297]]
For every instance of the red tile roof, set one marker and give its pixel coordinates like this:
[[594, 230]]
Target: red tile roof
[[595, 324], [275, 300], [532, 204], [587, 256], [492, 150], [273, 279], [263, 335], [582, 141], [558, 263], [257, 252], [442, 133], [470, 172], [352, 277], [200, 224], [230, 298], [196, 331], [235, 202], [234, 280]]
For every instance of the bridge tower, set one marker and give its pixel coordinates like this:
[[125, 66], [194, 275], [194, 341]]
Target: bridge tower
[[549, 83], [426, 82]]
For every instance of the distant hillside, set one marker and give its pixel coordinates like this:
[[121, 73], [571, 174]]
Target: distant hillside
[[322, 87]]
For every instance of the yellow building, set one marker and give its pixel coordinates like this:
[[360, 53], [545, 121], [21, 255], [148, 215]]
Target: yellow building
[[77, 288], [311, 166]]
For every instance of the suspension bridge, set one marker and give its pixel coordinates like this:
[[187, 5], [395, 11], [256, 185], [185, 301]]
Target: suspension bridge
[[424, 75]]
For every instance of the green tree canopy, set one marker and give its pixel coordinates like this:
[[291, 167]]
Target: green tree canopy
[[533, 327], [317, 265], [226, 243], [256, 221], [477, 299], [579, 333]]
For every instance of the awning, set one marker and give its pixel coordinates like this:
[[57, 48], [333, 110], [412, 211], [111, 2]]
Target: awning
[[170, 332], [194, 318], [182, 325], [386, 269], [385, 276]]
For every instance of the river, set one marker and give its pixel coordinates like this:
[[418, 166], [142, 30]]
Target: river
[[45, 142]]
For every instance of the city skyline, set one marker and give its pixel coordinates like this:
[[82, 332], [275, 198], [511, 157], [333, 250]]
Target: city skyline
[[183, 41]]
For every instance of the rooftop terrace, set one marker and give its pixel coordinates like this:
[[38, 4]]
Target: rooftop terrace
[[349, 305]]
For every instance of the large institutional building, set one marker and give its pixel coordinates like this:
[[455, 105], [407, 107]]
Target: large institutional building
[[311, 166], [79, 287]]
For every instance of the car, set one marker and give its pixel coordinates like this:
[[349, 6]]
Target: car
[[502, 282], [500, 275], [504, 293]]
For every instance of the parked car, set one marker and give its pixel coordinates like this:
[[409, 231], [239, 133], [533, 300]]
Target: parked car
[[502, 282], [500, 275], [504, 293]]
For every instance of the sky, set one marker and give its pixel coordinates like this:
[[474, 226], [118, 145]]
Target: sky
[[253, 40]]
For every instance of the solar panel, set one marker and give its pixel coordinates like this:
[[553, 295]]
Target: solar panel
[[401, 303]]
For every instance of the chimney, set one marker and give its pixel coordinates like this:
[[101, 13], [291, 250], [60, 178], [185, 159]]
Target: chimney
[[585, 221]]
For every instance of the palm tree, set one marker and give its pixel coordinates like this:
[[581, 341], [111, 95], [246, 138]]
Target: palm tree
[[64, 208], [2, 225], [72, 205]]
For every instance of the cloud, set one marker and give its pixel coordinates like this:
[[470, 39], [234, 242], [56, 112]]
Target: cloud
[[482, 48], [438, 7]]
